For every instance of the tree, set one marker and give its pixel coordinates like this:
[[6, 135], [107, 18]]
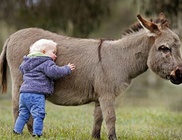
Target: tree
[[75, 17]]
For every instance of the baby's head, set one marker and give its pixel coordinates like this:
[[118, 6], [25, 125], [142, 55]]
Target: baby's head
[[48, 47]]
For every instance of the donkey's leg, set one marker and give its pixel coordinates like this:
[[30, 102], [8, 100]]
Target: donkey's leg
[[15, 101], [108, 111], [98, 119], [30, 124]]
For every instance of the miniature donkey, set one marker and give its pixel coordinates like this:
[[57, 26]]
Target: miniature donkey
[[104, 68]]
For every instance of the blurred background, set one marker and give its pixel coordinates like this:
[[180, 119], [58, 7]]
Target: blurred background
[[99, 19]]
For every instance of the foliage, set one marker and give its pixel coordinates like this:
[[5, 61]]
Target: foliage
[[75, 123], [77, 17], [171, 8]]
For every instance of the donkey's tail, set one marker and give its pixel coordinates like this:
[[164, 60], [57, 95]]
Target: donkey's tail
[[3, 68]]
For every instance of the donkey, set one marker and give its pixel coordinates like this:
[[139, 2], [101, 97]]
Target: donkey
[[104, 68]]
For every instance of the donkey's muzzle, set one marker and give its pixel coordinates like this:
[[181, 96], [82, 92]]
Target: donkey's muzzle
[[176, 76]]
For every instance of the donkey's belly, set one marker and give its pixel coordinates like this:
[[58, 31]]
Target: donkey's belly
[[71, 98]]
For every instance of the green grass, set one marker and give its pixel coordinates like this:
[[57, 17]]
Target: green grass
[[75, 123]]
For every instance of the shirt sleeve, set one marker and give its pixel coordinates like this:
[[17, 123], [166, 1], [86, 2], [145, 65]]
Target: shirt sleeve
[[54, 71]]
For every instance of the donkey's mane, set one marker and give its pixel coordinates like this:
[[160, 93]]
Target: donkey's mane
[[132, 29], [137, 26]]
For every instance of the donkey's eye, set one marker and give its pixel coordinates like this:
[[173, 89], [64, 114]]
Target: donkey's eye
[[164, 49]]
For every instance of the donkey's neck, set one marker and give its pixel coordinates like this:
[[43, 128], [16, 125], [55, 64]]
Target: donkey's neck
[[131, 53], [136, 49]]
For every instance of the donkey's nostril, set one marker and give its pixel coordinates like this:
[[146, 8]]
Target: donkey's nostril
[[172, 79], [178, 73]]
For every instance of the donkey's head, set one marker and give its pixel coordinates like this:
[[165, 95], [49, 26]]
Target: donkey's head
[[164, 55]]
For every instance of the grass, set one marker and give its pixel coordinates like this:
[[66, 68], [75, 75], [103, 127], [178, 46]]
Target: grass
[[75, 123]]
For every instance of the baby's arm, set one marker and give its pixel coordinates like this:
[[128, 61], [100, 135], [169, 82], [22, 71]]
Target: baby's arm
[[54, 71]]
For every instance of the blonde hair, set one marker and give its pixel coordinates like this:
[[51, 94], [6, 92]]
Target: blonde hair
[[41, 44]]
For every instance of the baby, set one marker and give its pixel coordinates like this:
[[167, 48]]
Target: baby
[[39, 72]]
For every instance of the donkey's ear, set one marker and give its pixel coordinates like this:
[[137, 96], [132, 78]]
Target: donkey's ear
[[162, 16], [149, 26], [163, 21]]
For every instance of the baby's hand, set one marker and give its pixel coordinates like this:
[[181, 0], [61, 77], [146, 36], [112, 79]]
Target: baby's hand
[[72, 66]]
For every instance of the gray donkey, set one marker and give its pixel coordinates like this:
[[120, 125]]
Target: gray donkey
[[104, 68]]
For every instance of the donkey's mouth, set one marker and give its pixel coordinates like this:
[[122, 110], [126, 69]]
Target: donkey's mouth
[[176, 76]]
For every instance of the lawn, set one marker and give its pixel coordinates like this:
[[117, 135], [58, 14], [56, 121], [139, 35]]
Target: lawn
[[75, 123]]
